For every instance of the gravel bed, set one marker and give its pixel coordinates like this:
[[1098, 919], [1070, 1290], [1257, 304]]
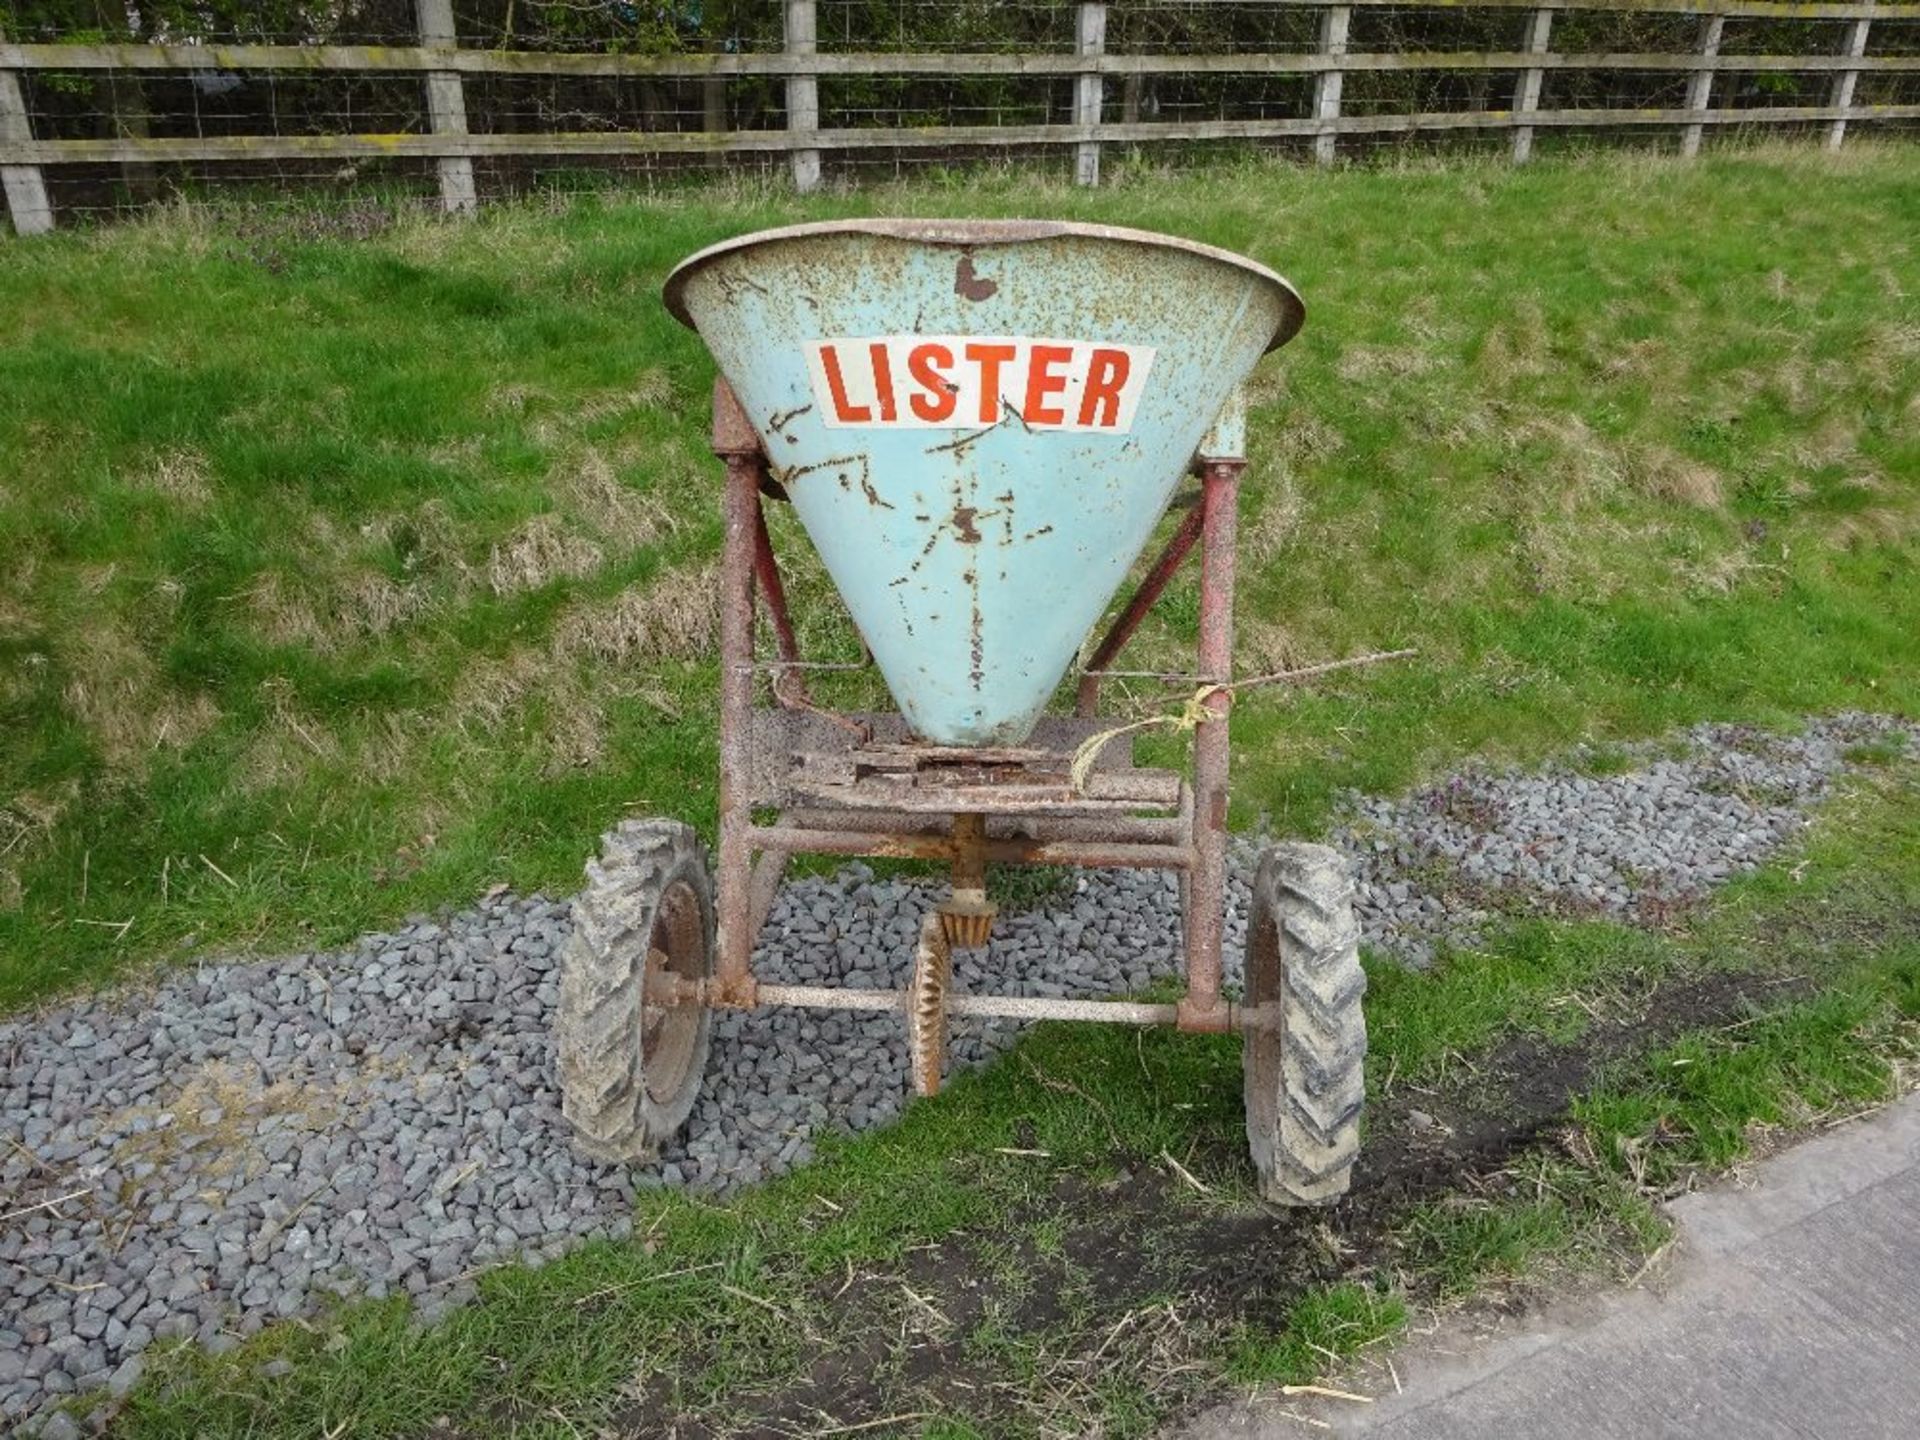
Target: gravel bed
[[1675, 819], [243, 1139]]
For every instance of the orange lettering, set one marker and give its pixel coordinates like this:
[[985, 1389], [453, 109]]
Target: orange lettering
[[1042, 381], [928, 364], [1106, 377], [846, 413], [989, 358]]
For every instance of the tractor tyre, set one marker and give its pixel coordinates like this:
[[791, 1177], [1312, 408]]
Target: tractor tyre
[[1306, 1035], [630, 1036]]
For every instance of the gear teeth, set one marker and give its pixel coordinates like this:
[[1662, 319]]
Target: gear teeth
[[927, 1005], [968, 927]]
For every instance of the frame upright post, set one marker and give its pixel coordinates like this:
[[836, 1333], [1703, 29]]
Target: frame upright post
[[1205, 917], [735, 442]]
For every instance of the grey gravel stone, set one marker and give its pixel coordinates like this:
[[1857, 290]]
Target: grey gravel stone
[[251, 1138]]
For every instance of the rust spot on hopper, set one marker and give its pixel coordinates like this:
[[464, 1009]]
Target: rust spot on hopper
[[970, 286]]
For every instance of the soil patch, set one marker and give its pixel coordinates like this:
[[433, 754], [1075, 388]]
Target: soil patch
[[1141, 1276]]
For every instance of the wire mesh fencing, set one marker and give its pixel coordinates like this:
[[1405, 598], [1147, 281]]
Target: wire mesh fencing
[[106, 108]]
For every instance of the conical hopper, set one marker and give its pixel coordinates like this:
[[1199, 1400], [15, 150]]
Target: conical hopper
[[979, 424]]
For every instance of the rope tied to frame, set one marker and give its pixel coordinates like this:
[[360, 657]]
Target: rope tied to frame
[[1194, 711]]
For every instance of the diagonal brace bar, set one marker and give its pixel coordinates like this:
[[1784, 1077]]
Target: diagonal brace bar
[[1143, 600]]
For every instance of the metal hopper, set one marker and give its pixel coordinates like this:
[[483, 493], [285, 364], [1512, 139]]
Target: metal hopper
[[979, 425]]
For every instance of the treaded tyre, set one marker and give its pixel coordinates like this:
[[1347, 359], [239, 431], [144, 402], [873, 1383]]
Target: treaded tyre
[[1307, 1044], [630, 1060]]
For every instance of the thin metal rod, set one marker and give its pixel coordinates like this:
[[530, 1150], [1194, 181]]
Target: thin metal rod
[[831, 997], [1039, 1007], [997, 1007], [1131, 829], [763, 887], [1087, 854], [1207, 881], [766, 571], [1143, 600]]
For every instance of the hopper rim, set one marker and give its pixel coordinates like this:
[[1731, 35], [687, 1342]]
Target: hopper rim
[[974, 234]]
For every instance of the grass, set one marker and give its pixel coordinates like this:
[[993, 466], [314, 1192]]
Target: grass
[[358, 562], [1092, 1286]]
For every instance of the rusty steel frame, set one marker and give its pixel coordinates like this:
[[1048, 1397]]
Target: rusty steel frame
[[993, 1007], [1143, 601], [753, 856]]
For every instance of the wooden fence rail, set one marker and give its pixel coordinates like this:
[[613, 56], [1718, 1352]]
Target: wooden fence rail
[[442, 63]]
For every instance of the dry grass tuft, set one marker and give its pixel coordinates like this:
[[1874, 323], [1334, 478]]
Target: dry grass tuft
[[1519, 346], [675, 617], [281, 615], [653, 390], [1726, 571], [490, 691], [1264, 646], [515, 397], [115, 690], [177, 475], [570, 729], [25, 821], [1879, 525], [376, 605], [1636, 360], [369, 605], [538, 553], [1581, 466], [1835, 441], [1277, 520], [1362, 363], [1665, 474], [587, 487], [218, 1113]]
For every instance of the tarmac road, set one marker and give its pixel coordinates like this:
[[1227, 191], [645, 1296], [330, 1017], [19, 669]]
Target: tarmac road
[[1790, 1308]]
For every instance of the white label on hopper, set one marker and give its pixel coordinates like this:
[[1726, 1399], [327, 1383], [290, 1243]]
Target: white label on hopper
[[970, 382]]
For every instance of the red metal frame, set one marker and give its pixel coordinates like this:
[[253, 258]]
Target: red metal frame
[[1193, 844]]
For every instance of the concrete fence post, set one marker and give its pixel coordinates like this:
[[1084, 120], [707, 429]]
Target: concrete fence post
[[1527, 95], [1089, 89], [1700, 84], [1334, 24], [447, 107], [26, 187], [1853, 44], [803, 94]]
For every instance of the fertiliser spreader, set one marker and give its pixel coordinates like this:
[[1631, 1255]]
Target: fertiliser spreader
[[979, 425]]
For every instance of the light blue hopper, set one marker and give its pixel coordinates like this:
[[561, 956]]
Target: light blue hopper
[[979, 425]]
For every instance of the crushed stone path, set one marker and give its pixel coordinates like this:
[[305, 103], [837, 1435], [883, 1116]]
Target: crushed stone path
[[241, 1140], [1786, 1313]]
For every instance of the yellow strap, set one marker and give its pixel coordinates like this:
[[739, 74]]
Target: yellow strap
[[1191, 715], [1195, 712]]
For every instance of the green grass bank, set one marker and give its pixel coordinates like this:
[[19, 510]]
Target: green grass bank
[[359, 562]]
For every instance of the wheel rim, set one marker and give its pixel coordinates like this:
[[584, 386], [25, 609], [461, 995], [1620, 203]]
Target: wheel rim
[[1261, 1036], [677, 950]]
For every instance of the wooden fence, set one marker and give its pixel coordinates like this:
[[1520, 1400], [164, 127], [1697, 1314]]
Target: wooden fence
[[441, 63]]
